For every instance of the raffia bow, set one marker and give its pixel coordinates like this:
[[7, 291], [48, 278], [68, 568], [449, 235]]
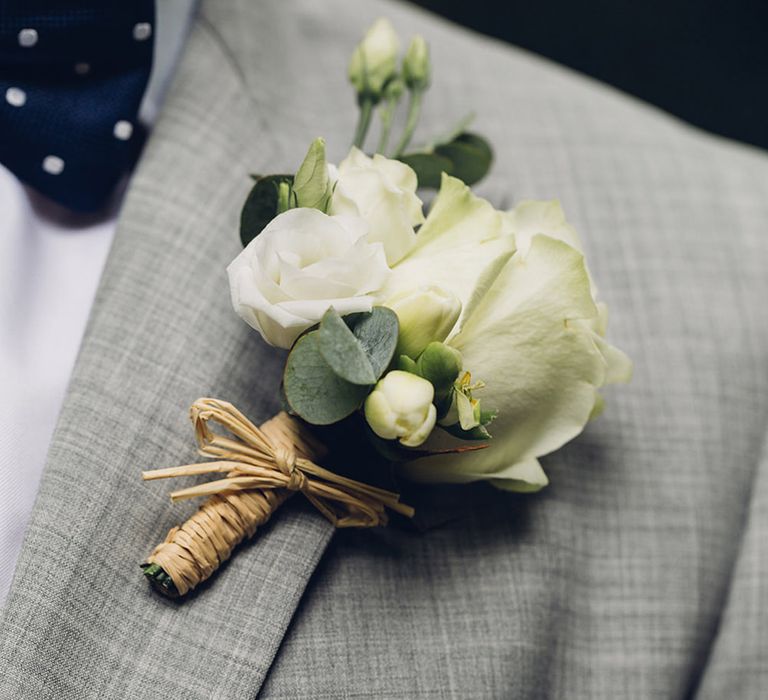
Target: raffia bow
[[263, 467]]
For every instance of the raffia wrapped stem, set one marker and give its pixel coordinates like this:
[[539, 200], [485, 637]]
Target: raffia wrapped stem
[[264, 467]]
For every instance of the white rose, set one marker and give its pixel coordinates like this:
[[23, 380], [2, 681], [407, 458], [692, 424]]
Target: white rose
[[533, 340], [530, 329], [299, 266], [461, 247], [531, 217], [383, 192]]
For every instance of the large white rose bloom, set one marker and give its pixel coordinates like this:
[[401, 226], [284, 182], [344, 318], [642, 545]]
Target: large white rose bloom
[[383, 193], [460, 248], [530, 328], [300, 265]]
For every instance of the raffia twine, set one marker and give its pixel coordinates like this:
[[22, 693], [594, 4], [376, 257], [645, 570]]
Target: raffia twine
[[264, 467]]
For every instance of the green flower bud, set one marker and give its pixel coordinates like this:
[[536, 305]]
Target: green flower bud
[[440, 364], [406, 364], [311, 185], [394, 89], [374, 60], [416, 66], [400, 408], [426, 313], [285, 199]]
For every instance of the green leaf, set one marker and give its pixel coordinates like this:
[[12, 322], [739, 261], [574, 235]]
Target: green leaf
[[343, 351], [459, 128], [466, 156], [261, 206], [428, 167], [377, 332], [488, 416], [313, 390], [479, 432], [470, 156], [443, 404], [284, 405]]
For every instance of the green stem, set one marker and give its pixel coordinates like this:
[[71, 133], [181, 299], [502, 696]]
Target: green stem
[[160, 581], [387, 114], [414, 112], [364, 122]]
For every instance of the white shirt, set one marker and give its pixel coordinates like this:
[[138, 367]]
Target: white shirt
[[50, 264]]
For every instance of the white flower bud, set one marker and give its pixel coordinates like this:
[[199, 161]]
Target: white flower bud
[[374, 60], [426, 314], [416, 68], [401, 408]]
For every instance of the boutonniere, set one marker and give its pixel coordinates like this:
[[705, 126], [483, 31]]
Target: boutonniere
[[453, 347]]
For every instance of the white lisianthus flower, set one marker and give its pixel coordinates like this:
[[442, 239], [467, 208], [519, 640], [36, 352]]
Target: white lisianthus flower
[[299, 266], [400, 407], [530, 328], [383, 193]]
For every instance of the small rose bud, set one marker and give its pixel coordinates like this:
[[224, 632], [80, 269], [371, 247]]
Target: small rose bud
[[311, 184], [400, 408], [426, 314], [416, 67], [440, 364], [374, 60]]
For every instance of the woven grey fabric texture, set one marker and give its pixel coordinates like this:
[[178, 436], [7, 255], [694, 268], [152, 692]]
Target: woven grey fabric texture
[[639, 573]]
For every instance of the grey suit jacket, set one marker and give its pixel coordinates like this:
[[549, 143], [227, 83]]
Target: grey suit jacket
[[639, 573]]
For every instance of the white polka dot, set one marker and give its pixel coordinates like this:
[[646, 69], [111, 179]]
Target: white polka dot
[[15, 96], [123, 130], [27, 37], [53, 165], [142, 31], [82, 68]]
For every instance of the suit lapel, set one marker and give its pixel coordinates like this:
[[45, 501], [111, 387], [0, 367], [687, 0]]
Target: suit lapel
[[80, 620]]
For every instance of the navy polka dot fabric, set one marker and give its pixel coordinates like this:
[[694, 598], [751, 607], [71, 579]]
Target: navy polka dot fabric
[[72, 75]]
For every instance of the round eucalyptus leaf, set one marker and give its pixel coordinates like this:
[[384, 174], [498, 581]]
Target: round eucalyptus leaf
[[313, 390], [377, 333], [343, 352]]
